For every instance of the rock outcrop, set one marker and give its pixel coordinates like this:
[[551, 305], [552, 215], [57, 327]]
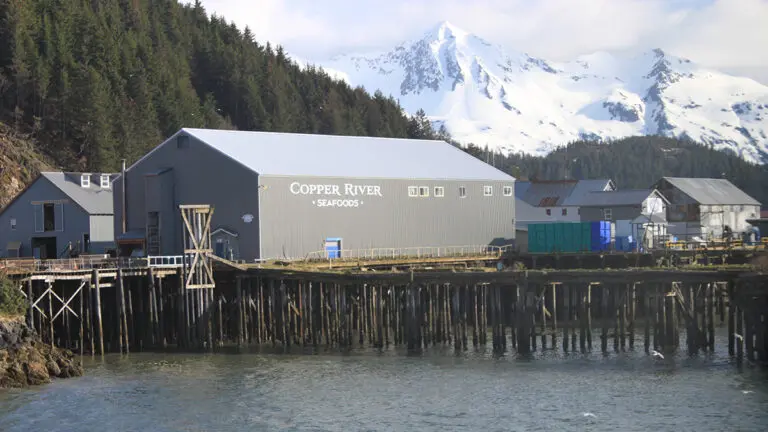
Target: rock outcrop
[[25, 360]]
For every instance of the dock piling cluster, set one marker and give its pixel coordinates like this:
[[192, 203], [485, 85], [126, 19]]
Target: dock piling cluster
[[136, 309]]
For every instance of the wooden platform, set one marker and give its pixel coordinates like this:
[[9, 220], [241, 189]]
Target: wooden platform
[[414, 303]]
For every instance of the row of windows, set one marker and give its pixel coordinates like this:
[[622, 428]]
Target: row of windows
[[439, 191], [607, 213], [85, 181], [564, 212]]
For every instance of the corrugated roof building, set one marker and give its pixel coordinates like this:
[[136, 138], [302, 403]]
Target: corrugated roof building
[[60, 214], [284, 195], [706, 207], [619, 198], [95, 198], [555, 201], [639, 213]]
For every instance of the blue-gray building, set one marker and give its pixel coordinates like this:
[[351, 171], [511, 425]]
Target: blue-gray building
[[284, 195], [544, 201], [59, 214]]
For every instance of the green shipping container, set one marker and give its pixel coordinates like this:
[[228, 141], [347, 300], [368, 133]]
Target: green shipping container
[[559, 237], [585, 245]]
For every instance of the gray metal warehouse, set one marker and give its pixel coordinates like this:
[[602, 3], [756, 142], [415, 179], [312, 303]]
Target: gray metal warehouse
[[284, 195]]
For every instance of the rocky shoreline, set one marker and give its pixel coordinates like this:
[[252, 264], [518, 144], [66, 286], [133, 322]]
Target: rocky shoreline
[[25, 360]]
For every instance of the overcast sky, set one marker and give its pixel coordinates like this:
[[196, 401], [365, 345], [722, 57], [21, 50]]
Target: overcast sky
[[730, 35]]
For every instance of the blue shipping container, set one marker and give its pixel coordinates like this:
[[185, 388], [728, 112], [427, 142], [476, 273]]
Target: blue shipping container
[[600, 235], [622, 244]]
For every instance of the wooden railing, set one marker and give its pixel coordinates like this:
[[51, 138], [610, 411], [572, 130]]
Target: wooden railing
[[28, 265], [409, 252], [717, 245]]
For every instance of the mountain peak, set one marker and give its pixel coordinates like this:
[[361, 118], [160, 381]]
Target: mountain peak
[[444, 30], [514, 102]]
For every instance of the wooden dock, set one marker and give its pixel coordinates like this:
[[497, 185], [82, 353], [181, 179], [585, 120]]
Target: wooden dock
[[166, 306]]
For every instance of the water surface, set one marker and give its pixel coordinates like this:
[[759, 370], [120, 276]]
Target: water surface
[[368, 390]]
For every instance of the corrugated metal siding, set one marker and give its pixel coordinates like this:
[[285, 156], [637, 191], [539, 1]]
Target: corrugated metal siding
[[159, 197], [293, 225], [76, 221], [685, 230], [200, 175], [589, 214], [102, 228], [102, 236], [521, 240], [714, 218]]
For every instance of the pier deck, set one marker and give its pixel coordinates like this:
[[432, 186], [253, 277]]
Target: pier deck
[[415, 304]]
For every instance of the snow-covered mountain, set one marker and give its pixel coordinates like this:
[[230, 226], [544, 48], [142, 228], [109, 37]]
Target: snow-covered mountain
[[514, 102]]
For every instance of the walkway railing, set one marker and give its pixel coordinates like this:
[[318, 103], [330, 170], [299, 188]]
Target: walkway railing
[[167, 261], [89, 263], [408, 252], [718, 244]]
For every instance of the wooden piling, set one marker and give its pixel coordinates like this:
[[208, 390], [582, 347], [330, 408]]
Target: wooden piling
[[588, 316], [739, 313], [623, 316], [604, 317], [566, 315], [711, 317], [647, 313], [582, 308], [731, 320], [632, 315], [554, 316], [123, 310]]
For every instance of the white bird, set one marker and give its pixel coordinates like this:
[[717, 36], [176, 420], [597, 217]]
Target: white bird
[[657, 354], [588, 414], [747, 391], [738, 336]]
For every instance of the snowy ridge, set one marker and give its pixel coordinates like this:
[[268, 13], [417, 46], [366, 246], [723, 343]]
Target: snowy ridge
[[513, 102]]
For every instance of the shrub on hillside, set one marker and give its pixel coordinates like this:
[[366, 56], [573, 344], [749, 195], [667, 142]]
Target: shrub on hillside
[[12, 301]]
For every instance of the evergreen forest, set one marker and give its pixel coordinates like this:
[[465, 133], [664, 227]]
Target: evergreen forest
[[97, 81]]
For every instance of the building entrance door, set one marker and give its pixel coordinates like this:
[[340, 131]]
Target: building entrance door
[[333, 247], [44, 247]]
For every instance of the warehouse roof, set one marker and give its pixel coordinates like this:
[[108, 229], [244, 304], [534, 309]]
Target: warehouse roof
[[93, 199], [710, 191], [273, 153], [617, 198], [560, 192]]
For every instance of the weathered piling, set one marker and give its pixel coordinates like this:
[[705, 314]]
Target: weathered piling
[[136, 309]]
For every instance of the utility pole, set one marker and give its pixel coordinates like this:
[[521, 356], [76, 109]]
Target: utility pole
[[122, 183]]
